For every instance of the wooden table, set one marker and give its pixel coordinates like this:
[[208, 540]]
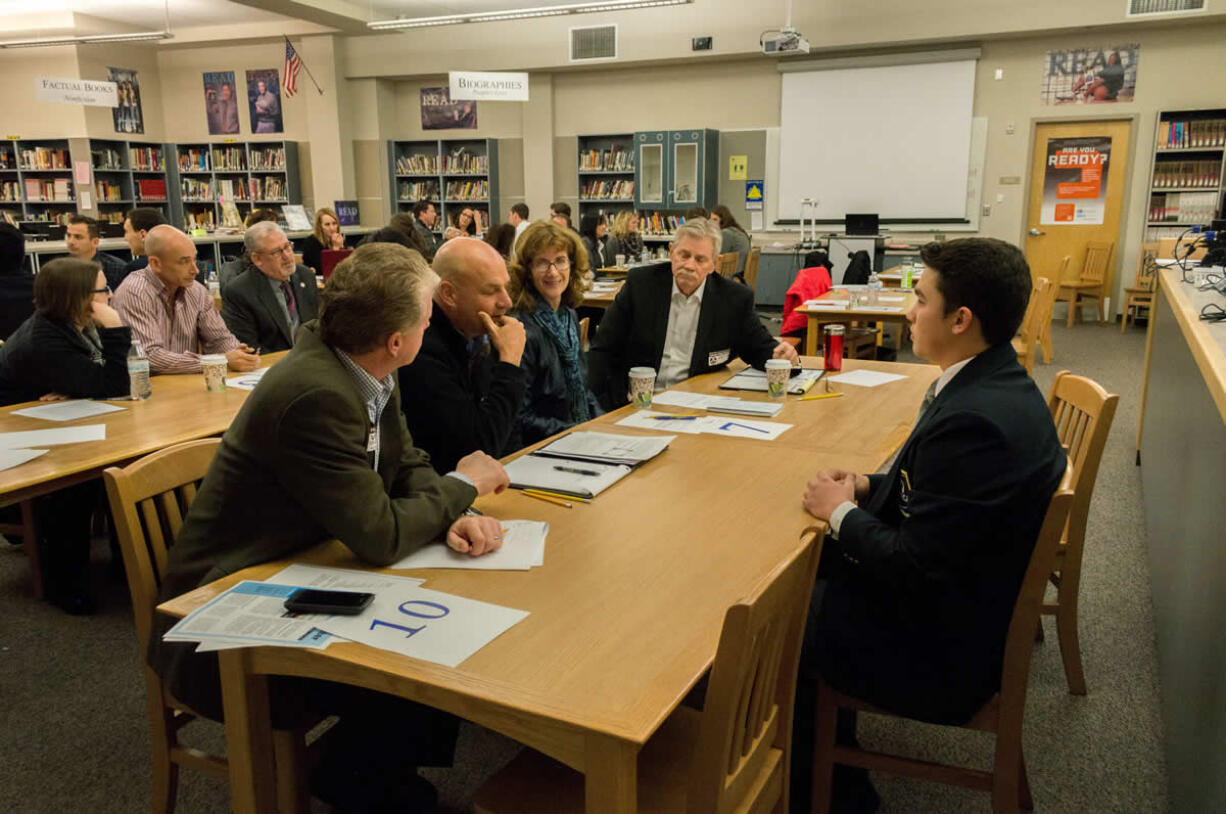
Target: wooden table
[[892, 277], [625, 614], [862, 313], [601, 299]]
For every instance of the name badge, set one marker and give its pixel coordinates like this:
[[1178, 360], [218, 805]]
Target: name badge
[[370, 441], [719, 357]]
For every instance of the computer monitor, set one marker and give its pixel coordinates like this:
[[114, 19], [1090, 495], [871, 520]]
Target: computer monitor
[[860, 224], [330, 258]]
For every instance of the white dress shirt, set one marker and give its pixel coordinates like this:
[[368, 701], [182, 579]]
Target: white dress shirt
[[679, 338]]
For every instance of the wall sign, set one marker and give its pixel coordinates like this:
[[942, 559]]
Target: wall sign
[[77, 92], [754, 195], [496, 86], [1075, 181], [347, 213], [1090, 75]]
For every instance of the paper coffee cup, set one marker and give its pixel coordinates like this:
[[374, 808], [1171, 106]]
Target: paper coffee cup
[[214, 368], [642, 385], [778, 371], [620, 260]]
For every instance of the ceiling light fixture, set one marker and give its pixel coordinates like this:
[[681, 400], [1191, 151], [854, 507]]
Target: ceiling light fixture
[[88, 39], [520, 14]]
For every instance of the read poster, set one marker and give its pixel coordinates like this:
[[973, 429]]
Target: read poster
[[220, 103], [439, 112], [1075, 181], [128, 116]]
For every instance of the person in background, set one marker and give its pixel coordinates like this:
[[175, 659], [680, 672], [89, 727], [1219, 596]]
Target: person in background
[[326, 235], [465, 221], [172, 314], [73, 346], [405, 224], [426, 218], [259, 216], [264, 310], [546, 286], [593, 230], [465, 389], [519, 219], [697, 212], [502, 237], [559, 213], [624, 237], [233, 268], [136, 224], [735, 238], [16, 281], [81, 236]]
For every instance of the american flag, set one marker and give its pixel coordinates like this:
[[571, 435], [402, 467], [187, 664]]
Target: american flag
[[292, 65]]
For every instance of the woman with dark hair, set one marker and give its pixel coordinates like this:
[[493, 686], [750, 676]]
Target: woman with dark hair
[[465, 221], [326, 235], [546, 285], [502, 237], [592, 229], [72, 346], [733, 237]]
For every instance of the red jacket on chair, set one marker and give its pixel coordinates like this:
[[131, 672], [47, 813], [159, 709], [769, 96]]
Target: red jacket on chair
[[809, 284]]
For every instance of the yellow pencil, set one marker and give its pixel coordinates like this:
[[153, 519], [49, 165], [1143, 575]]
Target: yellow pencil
[[559, 495], [547, 499], [822, 396]]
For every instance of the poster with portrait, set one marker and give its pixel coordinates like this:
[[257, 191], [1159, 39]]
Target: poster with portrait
[[264, 101], [438, 112], [1090, 75], [220, 103], [127, 115], [1075, 181]]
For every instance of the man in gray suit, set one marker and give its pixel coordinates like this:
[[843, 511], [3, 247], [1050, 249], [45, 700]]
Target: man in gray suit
[[264, 310], [320, 451]]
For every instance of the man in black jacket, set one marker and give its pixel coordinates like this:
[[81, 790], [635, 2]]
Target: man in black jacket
[[923, 564], [464, 391], [679, 319], [264, 307], [424, 219], [81, 236]]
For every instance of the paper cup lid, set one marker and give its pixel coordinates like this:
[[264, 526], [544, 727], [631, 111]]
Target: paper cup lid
[[778, 363], [213, 359], [642, 371]]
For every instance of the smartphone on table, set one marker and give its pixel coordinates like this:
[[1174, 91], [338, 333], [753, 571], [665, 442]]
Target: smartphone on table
[[314, 600]]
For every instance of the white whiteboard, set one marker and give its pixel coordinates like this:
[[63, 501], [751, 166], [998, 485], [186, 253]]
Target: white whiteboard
[[895, 140]]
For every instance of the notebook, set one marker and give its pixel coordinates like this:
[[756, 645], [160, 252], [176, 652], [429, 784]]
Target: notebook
[[755, 380]]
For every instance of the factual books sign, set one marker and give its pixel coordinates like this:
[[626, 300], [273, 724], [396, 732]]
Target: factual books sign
[[1075, 181], [500, 86], [439, 112], [1090, 75], [128, 116], [77, 92]]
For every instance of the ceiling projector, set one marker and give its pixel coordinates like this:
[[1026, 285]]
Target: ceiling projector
[[785, 41]]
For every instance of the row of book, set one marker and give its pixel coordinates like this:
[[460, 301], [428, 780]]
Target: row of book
[[268, 188], [59, 216], [1183, 207], [7, 161], [468, 190], [659, 223], [108, 191], [230, 158], [417, 165], [1200, 133], [230, 190], [105, 158], [417, 191], [116, 216], [614, 159], [10, 191], [608, 190], [150, 189], [49, 189], [199, 219], [268, 158], [146, 159], [1185, 174], [193, 160], [194, 189], [44, 158], [463, 161]]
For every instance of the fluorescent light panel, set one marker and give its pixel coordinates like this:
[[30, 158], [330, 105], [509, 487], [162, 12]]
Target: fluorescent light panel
[[520, 14], [134, 36]]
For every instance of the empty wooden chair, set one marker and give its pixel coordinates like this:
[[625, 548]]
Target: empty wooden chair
[[1045, 321], [1083, 412], [149, 499], [726, 266], [751, 269], [1026, 344], [1141, 293], [1091, 282], [730, 757], [1002, 715]]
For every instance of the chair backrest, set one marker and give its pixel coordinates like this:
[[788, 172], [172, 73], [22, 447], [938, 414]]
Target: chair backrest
[[149, 499], [748, 707], [583, 328], [1147, 267], [751, 268], [1048, 302], [1032, 325], [1083, 412], [727, 264], [1098, 257]]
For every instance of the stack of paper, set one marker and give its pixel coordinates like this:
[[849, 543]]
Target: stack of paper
[[601, 447], [68, 410], [523, 547], [719, 404], [574, 477], [865, 378], [755, 380], [18, 447], [713, 425], [247, 381]]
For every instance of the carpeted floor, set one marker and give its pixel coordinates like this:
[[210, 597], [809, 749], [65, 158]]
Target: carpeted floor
[[73, 712]]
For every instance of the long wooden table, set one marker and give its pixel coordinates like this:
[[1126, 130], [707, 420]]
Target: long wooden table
[[601, 299], [625, 613], [863, 312]]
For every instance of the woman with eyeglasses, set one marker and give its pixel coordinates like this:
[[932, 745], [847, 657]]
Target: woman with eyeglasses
[[546, 285], [72, 346]]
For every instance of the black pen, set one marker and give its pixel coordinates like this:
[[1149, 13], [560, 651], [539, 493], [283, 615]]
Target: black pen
[[574, 471]]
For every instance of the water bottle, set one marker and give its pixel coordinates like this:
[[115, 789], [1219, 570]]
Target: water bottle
[[645, 256], [874, 288], [138, 373], [214, 283]]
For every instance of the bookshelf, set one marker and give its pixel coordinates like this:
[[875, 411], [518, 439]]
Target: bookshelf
[[127, 174], [606, 175], [203, 177], [44, 174], [451, 174], [1186, 180], [10, 184]]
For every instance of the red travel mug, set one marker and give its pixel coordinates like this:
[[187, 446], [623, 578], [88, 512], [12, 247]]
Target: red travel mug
[[834, 347]]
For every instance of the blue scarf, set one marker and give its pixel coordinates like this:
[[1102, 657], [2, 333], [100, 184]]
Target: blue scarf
[[562, 329]]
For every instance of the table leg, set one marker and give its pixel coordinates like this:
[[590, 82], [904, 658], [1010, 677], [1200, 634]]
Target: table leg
[[811, 336], [611, 779], [249, 741]]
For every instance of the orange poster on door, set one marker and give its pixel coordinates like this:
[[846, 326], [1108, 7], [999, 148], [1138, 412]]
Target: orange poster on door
[[1075, 181]]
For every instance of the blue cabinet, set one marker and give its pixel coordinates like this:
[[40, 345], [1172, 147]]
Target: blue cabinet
[[676, 169], [651, 175]]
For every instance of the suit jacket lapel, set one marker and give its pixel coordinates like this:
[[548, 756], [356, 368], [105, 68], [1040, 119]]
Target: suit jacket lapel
[[662, 301], [706, 323], [269, 298]]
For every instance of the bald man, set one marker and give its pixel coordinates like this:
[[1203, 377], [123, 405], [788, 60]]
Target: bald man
[[171, 314], [464, 391]]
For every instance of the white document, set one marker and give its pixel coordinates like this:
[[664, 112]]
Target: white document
[[252, 613], [724, 404], [865, 378], [10, 458], [608, 447], [884, 309], [826, 305], [735, 406], [523, 547], [247, 381], [338, 579], [69, 410], [580, 478], [891, 299], [645, 420], [46, 438], [679, 398], [755, 380], [423, 624], [744, 428]]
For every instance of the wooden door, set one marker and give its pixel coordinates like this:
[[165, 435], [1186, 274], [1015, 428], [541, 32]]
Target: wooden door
[[1048, 242]]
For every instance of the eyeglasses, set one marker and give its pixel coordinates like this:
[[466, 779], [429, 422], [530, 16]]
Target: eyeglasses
[[106, 289], [561, 264], [286, 248]]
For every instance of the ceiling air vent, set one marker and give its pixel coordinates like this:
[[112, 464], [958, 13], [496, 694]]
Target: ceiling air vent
[[1138, 8], [593, 42]]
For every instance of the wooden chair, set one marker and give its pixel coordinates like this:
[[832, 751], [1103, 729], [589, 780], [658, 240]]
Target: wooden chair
[[27, 530], [1083, 412], [1002, 715], [583, 327], [1091, 282], [726, 265], [1045, 322], [730, 757], [1026, 344], [1141, 293], [751, 269], [149, 499]]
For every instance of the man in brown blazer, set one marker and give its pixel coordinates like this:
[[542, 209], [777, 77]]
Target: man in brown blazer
[[320, 451]]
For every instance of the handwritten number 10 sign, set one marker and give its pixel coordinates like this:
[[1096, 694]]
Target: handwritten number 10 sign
[[407, 611]]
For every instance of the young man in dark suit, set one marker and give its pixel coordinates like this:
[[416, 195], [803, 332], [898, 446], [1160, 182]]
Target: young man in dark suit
[[922, 565], [264, 310], [679, 319]]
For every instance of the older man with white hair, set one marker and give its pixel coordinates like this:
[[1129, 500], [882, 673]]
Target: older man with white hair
[[265, 306], [679, 319], [171, 314]]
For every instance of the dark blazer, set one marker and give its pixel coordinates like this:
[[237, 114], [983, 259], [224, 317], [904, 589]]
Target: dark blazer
[[312, 254], [632, 331], [432, 240], [922, 580], [454, 405], [293, 471], [251, 312], [16, 300], [114, 269], [48, 356], [546, 409], [597, 256], [230, 270]]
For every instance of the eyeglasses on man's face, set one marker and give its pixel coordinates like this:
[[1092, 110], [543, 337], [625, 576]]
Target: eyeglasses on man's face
[[285, 248], [541, 266]]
